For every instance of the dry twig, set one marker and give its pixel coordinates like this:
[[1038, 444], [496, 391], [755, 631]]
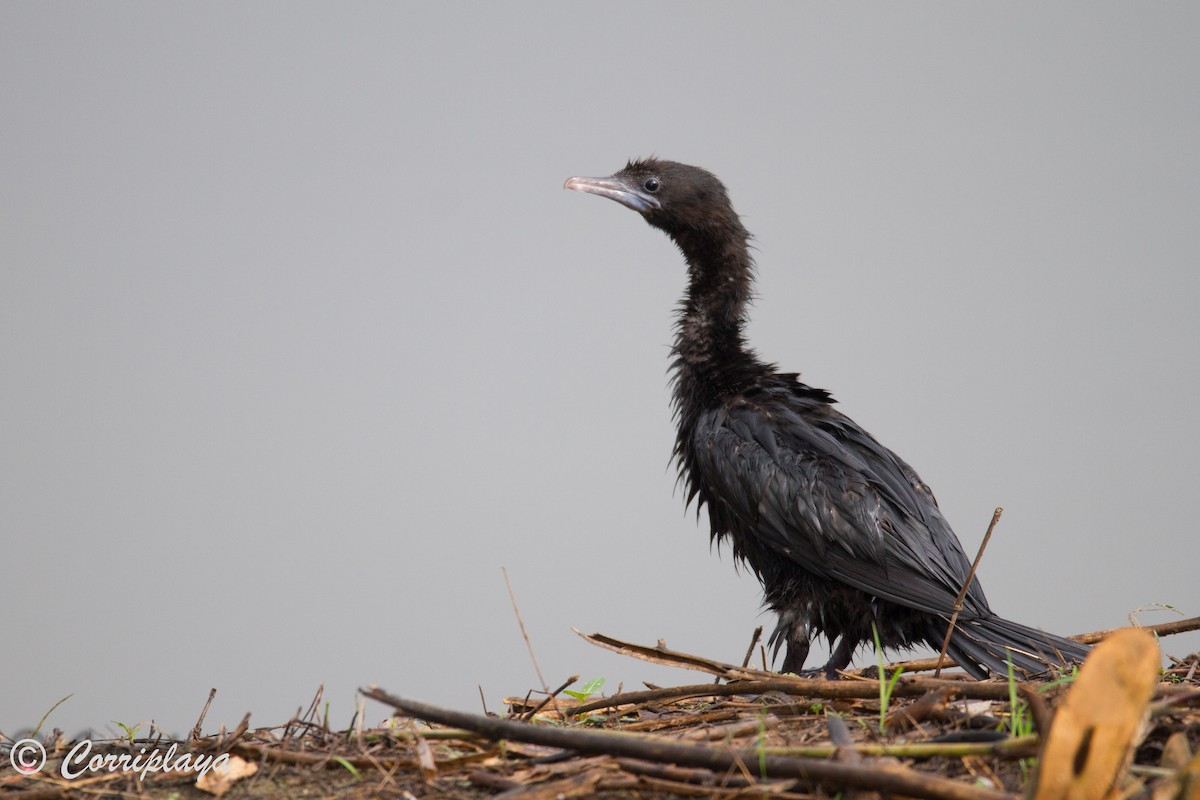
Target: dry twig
[[885, 778], [962, 593], [195, 734]]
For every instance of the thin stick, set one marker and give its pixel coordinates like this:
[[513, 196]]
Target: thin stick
[[754, 638], [203, 713], [529, 646], [813, 686], [42, 721], [750, 650], [311, 716], [962, 593], [673, 658], [525, 633], [528, 715], [228, 740], [1162, 629], [908, 686]]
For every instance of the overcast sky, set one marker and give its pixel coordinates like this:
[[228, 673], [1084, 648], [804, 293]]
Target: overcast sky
[[302, 340]]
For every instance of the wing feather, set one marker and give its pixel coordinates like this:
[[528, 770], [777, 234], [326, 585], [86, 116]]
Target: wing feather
[[817, 489]]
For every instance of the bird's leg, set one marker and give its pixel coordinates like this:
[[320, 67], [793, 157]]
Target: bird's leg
[[797, 650], [840, 658]]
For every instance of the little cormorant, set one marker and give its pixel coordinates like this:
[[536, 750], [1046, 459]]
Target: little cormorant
[[840, 531]]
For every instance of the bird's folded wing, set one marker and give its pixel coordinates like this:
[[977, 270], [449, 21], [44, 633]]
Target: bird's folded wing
[[819, 490]]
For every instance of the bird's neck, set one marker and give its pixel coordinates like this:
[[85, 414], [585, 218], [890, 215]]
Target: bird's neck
[[709, 344]]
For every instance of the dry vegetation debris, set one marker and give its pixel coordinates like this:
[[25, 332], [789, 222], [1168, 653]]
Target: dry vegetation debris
[[1119, 727]]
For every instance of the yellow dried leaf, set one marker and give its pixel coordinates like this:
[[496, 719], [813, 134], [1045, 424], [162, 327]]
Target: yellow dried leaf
[[1094, 732], [1176, 752], [1189, 780]]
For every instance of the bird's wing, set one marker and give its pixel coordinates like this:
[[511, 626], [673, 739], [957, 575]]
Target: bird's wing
[[819, 490]]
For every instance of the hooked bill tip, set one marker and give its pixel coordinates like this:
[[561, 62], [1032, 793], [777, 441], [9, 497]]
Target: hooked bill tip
[[615, 188]]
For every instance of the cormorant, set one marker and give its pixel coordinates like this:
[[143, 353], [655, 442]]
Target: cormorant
[[840, 531]]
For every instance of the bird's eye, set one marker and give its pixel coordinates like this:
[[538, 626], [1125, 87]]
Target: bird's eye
[[651, 185]]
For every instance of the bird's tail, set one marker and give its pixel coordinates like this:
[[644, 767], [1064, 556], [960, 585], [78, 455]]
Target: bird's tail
[[986, 644]]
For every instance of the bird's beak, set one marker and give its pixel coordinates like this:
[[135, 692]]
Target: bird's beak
[[615, 188]]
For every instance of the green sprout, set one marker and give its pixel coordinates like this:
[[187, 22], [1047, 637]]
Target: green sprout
[[886, 685], [353, 770], [130, 730], [587, 690]]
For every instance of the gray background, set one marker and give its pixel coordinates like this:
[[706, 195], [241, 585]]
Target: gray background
[[302, 340]]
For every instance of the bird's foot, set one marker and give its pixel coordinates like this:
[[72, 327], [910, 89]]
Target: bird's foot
[[825, 672]]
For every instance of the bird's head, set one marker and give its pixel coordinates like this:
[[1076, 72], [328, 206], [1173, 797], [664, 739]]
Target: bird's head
[[677, 198]]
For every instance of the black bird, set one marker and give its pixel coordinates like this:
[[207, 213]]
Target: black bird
[[840, 531]]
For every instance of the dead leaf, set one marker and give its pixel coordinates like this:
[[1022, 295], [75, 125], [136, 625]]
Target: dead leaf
[[1189, 780], [1176, 752], [219, 780], [1094, 732]]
